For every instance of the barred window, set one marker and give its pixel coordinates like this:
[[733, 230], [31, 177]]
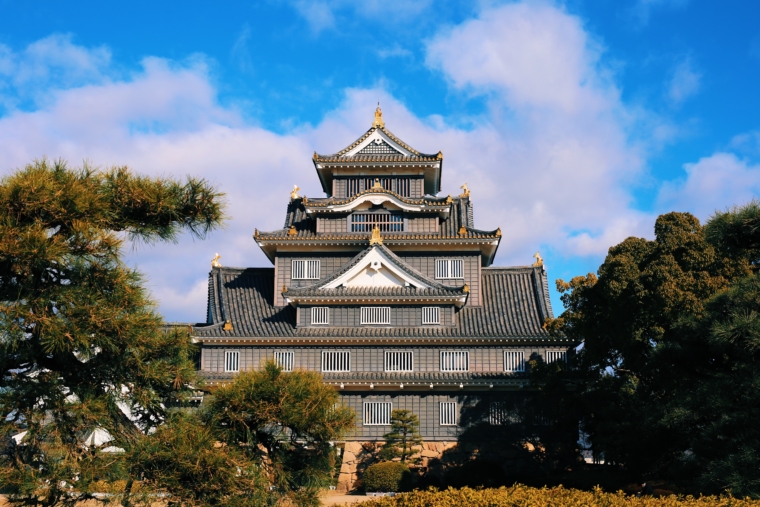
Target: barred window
[[431, 315], [336, 360], [376, 315], [284, 359], [514, 360], [386, 222], [455, 360], [449, 268], [556, 355], [231, 361], [401, 185], [448, 415], [305, 270], [377, 413], [399, 360], [500, 413], [320, 315]]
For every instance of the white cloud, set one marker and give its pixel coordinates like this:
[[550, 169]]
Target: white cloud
[[551, 163], [394, 51], [321, 14], [684, 82], [318, 15], [642, 9], [713, 183]]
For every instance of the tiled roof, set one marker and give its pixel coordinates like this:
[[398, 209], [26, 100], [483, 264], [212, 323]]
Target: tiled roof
[[515, 303], [332, 201], [377, 157], [422, 377]]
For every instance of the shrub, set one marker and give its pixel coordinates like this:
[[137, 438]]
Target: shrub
[[476, 473], [388, 476], [556, 497]]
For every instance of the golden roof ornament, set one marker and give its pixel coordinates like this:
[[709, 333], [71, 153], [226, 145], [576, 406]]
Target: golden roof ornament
[[294, 193], [498, 232], [378, 123], [227, 325], [449, 200], [377, 184], [465, 191], [462, 231], [439, 156], [215, 261], [292, 231], [376, 238], [539, 260], [466, 289]]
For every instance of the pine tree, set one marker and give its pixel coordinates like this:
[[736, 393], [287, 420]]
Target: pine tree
[[404, 437], [84, 356]]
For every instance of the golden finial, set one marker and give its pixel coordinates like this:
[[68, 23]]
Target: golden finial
[[294, 193], [539, 260], [498, 232], [215, 261], [227, 325], [465, 191], [255, 233], [305, 200], [284, 288], [292, 231], [314, 157], [376, 238], [377, 184], [449, 200], [439, 156], [378, 118], [462, 231], [466, 289]]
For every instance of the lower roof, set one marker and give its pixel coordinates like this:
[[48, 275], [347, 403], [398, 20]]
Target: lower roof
[[515, 304]]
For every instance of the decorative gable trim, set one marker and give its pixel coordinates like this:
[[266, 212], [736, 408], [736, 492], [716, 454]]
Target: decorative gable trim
[[382, 265], [379, 137]]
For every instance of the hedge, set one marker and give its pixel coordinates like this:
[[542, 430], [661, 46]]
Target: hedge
[[524, 496], [387, 476]]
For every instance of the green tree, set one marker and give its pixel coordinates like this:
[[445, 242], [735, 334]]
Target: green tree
[[286, 423], [81, 345], [637, 357], [404, 438]]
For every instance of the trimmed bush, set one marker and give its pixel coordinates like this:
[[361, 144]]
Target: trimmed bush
[[388, 476], [525, 496]]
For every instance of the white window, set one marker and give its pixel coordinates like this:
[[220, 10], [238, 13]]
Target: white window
[[431, 315], [556, 355], [305, 270], [320, 315], [448, 413], [284, 359], [336, 360], [231, 361], [399, 360], [455, 360], [514, 360], [377, 413], [449, 268], [376, 315]]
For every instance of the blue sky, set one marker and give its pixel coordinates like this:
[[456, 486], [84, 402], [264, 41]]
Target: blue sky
[[574, 123]]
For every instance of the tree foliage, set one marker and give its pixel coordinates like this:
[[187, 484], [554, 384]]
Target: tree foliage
[[665, 377], [285, 422], [404, 438], [81, 344]]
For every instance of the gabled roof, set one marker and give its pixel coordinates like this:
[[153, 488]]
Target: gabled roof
[[404, 284], [379, 147], [515, 303]]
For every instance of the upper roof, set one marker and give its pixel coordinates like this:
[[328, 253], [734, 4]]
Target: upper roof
[[515, 304], [379, 150]]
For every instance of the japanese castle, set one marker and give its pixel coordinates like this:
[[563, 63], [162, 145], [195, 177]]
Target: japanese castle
[[388, 289]]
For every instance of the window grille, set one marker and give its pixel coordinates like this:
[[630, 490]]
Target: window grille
[[305, 270], [336, 360], [378, 147], [401, 186], [556, 355], [431, 315], [455, 360], [448, 413], [500, 413], [376, 315], [449, 268], [399, 361], [514, 360], [232, 361], [377, 413], [284, 359], [386, 222], [320, 315]]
